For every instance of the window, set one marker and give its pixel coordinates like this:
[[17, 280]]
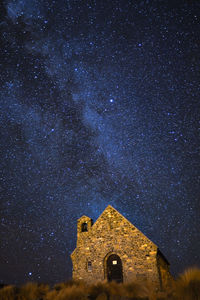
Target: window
[[114, 262], [84, 227], [89, 266]]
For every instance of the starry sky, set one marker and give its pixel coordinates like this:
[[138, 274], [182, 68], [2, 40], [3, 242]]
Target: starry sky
[[99, 104]]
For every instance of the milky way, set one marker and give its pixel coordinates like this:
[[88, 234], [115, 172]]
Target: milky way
[[99, 104]]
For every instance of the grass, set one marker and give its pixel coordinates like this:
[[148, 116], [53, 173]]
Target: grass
[[185, 287]]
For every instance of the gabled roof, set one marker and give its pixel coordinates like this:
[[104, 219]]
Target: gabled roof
[[110, 208], [83, 217]]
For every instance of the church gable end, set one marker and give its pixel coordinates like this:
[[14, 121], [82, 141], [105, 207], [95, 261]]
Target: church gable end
[[114, 249], [111, 220]]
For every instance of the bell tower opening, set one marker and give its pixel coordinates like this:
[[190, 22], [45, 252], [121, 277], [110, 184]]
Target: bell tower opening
[[84, 227], [114, 268]]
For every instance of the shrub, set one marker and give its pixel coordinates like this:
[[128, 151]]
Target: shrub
[[68, 291], [187, 286], [95, 290], [32, 291], [8, 292], [68, 283]]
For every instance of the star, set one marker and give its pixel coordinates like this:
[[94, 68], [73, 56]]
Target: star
[[99, 104]]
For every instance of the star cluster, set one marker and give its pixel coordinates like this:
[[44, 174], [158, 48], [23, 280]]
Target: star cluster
[[99, 104]]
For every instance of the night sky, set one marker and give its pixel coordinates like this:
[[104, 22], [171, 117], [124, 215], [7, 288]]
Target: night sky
[[99, 104]]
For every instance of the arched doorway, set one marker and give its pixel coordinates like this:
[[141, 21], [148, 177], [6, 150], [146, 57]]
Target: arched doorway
[[114, 268]]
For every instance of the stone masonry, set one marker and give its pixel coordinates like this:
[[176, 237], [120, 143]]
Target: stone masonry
[[139, 258]]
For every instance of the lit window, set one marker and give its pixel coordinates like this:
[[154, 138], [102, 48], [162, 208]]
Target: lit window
[[114, 262], [89, 266]]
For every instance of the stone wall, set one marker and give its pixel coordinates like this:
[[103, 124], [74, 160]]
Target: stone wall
[[114, 234], [164, 273]]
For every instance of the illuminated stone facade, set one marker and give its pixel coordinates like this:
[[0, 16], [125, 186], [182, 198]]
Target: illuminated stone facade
[[134, 256]]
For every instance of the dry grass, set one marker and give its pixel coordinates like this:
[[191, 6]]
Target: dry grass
[[134, 290], [69, 283], [29, 291], [8, 292], [186, 287], [68, 292], [104, 290], [32, 291]]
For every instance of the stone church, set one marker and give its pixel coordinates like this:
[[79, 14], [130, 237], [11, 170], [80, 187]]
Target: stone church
[[114, 249]]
